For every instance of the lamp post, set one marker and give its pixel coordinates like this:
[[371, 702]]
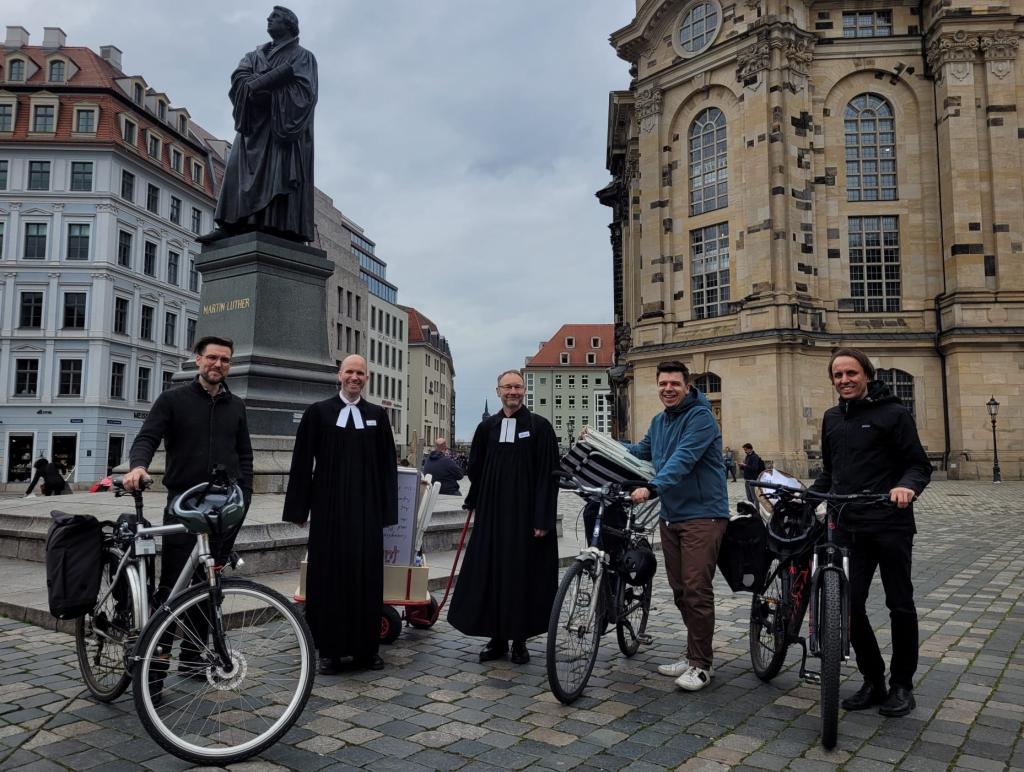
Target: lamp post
[[993, 411], [570, 425]]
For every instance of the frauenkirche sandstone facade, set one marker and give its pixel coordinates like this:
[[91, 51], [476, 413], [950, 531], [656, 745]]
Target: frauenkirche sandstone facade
[[790, 177]]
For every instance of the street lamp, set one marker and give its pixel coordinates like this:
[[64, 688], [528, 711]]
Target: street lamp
[[993, 410], [571, 426]]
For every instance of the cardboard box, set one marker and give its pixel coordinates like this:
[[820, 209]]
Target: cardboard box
[[403, 584]]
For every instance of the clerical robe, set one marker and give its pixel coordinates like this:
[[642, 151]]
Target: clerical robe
[[268, 181], [509, 577], [344, 480]]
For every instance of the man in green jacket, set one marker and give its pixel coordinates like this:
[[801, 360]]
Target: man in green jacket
[[685, 446]]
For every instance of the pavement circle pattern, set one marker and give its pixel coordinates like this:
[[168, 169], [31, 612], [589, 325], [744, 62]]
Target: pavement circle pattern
[[435, 707]]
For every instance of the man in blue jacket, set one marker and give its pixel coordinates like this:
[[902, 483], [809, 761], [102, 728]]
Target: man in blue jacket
[[685, 446]]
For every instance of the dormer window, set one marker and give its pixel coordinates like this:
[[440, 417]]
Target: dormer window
[[591, 358], [128, 131], [570, 342], [176, 160], [183, 124], [137, 93], [7, 112], [56, 71], [197, 173], [161, 110], [85, 120], [16, 70], [153, 146], [563, 358], [595, 343], [44, 118]]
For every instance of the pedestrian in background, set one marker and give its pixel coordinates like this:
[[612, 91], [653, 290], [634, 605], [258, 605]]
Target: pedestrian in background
[[442, 468], [730, 463], [54, 483]]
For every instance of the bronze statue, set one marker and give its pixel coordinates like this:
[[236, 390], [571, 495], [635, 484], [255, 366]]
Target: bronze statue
[[268, 182]]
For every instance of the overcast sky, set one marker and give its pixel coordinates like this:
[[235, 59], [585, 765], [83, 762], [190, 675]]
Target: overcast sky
[[466, 136]]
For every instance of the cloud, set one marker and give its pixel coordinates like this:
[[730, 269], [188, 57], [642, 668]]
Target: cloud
[[467, 137]]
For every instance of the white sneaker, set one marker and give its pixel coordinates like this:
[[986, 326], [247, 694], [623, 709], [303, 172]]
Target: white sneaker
[[674, 669], [695, 678]]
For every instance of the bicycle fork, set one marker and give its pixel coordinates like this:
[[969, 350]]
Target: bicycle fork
[[814, 615]]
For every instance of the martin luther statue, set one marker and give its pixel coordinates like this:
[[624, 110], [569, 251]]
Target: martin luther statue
[[268, 182]]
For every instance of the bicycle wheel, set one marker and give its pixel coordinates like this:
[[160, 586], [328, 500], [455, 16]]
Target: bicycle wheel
[[204, 713], [633, 604], [769, 610], [830, 634], [574, 630], [104, 638]]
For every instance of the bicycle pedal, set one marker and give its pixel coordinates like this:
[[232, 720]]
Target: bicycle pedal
[[811, 677], [645, 639]]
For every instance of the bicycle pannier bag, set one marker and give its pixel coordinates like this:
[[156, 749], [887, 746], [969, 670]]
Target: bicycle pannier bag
[[74, 561], [743, 558]]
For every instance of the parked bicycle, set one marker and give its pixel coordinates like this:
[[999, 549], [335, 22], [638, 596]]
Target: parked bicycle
[[245, 664], [609, 583], [808, 570]]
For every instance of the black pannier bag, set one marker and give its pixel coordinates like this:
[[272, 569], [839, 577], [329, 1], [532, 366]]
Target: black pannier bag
[[74, 563], [743, 558]]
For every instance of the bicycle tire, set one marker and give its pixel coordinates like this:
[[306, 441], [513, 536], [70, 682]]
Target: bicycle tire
[[572, 644], [104, 638], [633, 608], [206, 716], [830, 633], [769, 612]]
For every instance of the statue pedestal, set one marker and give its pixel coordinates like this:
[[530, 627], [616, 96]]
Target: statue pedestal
[[269, 296]]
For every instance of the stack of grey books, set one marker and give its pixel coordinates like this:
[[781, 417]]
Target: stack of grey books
[[597, 459]]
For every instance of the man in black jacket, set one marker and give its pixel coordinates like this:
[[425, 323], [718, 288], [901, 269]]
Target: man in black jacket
[[869, 444], [202, 425], [442, 468]]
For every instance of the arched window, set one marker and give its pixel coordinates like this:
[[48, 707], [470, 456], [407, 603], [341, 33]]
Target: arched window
[[56, 71], [870, 131], [900, 383], [709, 383], [709, 172], [16, 70]]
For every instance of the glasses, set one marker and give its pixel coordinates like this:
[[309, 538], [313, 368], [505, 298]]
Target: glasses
[[511, 387], [212, 359]]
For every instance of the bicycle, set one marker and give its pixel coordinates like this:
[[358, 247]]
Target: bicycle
[[246, 668], [808, 571], [600, 588]]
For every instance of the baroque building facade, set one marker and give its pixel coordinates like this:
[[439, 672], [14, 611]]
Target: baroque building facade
[[792, 177], [431, 384]]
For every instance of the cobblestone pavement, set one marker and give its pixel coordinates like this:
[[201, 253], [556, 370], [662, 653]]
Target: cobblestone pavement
[[436, 707]]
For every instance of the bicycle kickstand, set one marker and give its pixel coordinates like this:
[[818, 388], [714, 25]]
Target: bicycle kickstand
[[811, 676]]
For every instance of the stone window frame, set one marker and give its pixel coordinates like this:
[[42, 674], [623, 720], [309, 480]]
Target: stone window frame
[[73, 316], [17, 372], [865, 155], [46, 241], [700, 306], [32, 307], [889, 289], [53, 60], [127, 122], [153, 136], [121, 380], [140, 382], [709, 38], [709, 123], [880, 20], [43, 99], [9, 66], [198, 173], [120, 325], [73, 375], [29, 173], [11, 100], [85, 107], [176, 159], [69, 240]]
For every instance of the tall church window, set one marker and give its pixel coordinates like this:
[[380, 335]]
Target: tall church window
[[709, 171], [900, 383], [870, 130], [709, 270], [875, 263]]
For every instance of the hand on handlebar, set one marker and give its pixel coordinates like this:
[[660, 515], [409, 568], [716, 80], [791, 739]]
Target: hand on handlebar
[[901, 497], [133, 480], [640, 495]]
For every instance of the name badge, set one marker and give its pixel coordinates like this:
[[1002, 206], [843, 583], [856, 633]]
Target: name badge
[[523, 434], [371, 422]]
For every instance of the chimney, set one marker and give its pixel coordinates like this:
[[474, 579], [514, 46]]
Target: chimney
[[16, 37], [111, 55], [54, 37]]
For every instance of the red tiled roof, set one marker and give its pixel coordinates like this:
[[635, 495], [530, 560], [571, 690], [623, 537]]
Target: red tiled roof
[[417, 322], [550, 352]]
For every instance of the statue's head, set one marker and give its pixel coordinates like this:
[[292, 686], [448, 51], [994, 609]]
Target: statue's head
[[282, 18]]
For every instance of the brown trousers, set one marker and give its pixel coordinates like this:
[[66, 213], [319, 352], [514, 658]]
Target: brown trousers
[[691, 549]]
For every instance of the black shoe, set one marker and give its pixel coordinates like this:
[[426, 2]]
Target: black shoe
[[871, 693], [899, 702], [329, 666], [494, 649], [373, 662], [520, 654]]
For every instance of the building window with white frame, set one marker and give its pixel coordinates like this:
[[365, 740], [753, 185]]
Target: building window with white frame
[[197, 173], [709, 271], [56, 71], [153, 198], [129, 131], [4, 166], [35, 240], [875, 284], [137, 93], [81, 176], [595, 343], [69, 383], [173, 261], [16, 70], [176, 160], [74, 311], [6, 117], [142, 384], [149, 258], [44, 118], [563, 358], [117, 371], [591, 358], [30, 311], [570, 342], [78, 241], [166, 381], [175, 212], [127, 185], [38, 175], [121, 310], [190, 333], [193, 274], [709, 162], [124, 249], [197, 221], [26, 377], [85, 120], [146, 323], [153, 146], [870, 137], [170, 329], [867, 24]]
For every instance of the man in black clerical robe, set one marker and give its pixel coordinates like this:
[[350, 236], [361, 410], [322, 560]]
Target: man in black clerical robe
[[510, 574], [268, 181], [343, 479]]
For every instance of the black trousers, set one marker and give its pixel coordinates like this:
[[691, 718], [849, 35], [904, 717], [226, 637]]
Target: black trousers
[[890, 553]]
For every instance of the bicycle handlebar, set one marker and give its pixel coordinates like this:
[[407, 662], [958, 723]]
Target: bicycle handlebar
[[841, 498]]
